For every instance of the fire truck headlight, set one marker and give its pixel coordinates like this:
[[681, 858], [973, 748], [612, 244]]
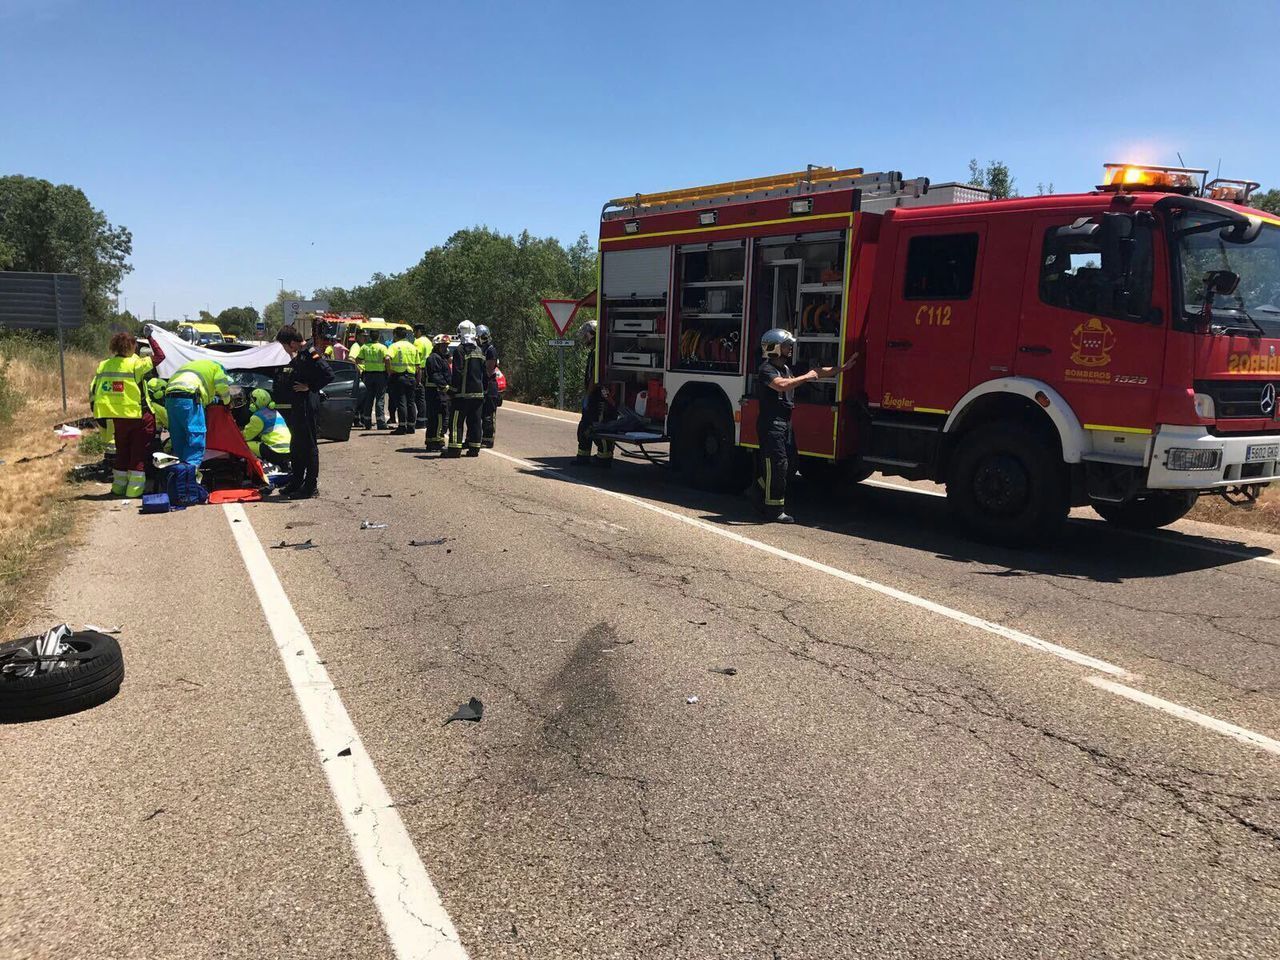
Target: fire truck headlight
[[1204, 407], [1190, 458]]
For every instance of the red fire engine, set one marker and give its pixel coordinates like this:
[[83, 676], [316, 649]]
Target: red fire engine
[[1114, 348]]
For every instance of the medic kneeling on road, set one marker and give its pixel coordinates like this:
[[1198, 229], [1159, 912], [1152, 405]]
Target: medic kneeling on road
[[773, 426], [266, 432]]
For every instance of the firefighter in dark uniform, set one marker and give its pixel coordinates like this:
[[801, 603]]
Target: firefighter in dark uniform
[[296, 393], [775, 389], [437, 378], [595, 405], [466, 392], [492, 398]]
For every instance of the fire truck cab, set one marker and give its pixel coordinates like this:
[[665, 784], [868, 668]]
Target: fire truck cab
[[1116, 348]]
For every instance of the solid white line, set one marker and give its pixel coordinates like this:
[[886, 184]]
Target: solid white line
[[541, 416], [1192, 716], [412, 914], [1025, 639], [902, 486]]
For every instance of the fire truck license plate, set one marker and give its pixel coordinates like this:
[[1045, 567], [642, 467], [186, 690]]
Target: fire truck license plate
[[1262, 451]]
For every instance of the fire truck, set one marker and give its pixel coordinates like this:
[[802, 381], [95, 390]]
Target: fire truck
[[1116, 348]]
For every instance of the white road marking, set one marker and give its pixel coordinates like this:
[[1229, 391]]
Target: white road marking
[[1186, 713], [412, 914], [541, 416], [1017, 636]]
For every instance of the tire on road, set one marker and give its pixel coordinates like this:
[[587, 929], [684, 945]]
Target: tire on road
[[1149, 511], [1008, 485], [706, 454], [92, 679]]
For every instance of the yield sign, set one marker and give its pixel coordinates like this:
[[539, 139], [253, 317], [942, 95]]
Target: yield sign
[[561, 313]]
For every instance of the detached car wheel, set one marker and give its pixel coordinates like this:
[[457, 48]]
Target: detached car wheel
[[1148, 512], [87, 672]]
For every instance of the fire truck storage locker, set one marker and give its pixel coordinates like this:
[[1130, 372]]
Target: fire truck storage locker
[[636, 284]]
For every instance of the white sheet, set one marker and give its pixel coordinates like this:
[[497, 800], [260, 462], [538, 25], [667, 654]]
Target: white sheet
[[177, 352]]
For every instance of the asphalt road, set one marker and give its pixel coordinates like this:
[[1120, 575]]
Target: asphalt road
[[930, 748]]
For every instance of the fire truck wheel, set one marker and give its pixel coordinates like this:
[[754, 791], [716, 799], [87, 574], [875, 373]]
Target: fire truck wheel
[[1008, 485], [705, 452], [1147, 512]]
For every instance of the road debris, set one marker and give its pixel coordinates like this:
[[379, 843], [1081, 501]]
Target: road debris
[[344, 752], [691, 699], [369, 525], [94, 627], [385, 496], [725, 671], [472, 710], [304, 545], [68, 432], [429, 543]]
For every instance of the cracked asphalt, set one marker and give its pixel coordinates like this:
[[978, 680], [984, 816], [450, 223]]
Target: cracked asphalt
[[874, 781]]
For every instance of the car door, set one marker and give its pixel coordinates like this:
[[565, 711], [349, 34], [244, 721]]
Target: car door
[[339, 402]]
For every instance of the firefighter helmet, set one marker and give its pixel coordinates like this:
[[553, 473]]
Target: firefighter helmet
[[587, 333], [777, 342], [483, 335], [467, 331], [259, 399]]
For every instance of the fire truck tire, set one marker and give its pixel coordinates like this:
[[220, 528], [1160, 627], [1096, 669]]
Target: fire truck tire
[[1008, 485], [705, 454], [1147, 512]]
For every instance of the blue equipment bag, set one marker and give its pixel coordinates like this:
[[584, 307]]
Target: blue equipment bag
[[155, 503], [184, 489]]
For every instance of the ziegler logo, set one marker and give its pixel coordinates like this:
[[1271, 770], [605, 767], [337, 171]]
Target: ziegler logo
[[1092, 342]]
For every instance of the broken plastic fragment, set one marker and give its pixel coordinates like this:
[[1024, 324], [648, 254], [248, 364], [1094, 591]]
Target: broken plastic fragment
[[727, 671], [344, 752], [366, 525], [691, 699], [305, 545], [97, 629], [428, 543], [472, 710]]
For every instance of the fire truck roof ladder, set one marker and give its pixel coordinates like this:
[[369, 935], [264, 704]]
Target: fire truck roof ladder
[[813, 180]]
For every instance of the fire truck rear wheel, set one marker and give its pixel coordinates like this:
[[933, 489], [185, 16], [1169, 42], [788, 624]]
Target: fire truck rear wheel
[[706, 454], [1148, 512], [1008, 485]]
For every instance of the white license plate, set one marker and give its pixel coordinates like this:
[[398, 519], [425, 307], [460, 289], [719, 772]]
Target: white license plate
[[1262, 451]]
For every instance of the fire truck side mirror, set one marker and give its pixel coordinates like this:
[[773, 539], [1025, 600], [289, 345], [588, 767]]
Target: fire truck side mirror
[[1221, 283]]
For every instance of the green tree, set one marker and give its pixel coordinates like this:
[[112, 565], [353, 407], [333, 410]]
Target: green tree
[[995, 176], [274, 311], [240, 321], [53, 228], [1268, 200]]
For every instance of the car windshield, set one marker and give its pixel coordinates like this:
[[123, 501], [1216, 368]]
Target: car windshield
[[1257, 263]]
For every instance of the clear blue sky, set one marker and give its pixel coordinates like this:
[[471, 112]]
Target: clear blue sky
[[321, 142]]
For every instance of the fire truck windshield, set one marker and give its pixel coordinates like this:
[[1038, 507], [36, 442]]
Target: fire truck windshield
[[1256, 300]]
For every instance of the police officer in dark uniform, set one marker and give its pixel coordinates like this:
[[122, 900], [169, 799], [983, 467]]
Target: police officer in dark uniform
[[776, 393], [466, 392], [492, 398], [296, 393]]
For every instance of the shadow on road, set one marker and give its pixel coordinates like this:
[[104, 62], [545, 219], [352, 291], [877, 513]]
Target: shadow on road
[[1088, 550]]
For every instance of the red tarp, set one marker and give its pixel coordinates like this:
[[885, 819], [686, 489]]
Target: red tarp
[[224, 436]]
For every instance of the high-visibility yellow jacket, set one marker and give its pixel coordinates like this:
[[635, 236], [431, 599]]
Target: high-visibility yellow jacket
[[267, 426], [370, 357], [205, 379], [403, 355], [117, 387], [424, 350]]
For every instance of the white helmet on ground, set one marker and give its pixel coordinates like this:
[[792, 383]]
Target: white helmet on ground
[[467, 331], [777, 343], [587, 333]]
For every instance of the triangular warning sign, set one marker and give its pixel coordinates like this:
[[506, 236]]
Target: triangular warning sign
[[561, 313]]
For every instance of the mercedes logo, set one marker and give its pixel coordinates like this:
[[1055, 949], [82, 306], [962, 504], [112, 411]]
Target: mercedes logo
[[1267, 402]]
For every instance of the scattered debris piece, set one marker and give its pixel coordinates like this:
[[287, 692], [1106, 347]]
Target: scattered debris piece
[[193, 683], [698, 623], [472, 710], [299, 523], [448, 550], [98, 629], [68, 432], [305, 545], [163, 460], [43, 456], [384, 496], [691, 699], [84, 423], [725, 671], [153, 814], [344, 752], [367, 525], [429, 543]]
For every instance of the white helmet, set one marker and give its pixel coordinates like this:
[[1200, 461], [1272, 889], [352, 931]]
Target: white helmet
[[482, 334], [775, 341], [467, 331], [587, 333]]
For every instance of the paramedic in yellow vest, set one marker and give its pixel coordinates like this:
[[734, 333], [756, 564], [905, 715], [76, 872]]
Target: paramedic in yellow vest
[[193, 387], [423, 343], [155, 397], [266, 432], [371, 358], [118, 388], [402, 374]]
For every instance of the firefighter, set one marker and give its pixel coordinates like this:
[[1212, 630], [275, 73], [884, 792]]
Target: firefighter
[[266, 432], [595, 405], [776, 393], [436, 378], [372, 360], [296, 393], [190, 390], [402, 374], [466, 392], [492, 398], [423, 343], [117, 394]]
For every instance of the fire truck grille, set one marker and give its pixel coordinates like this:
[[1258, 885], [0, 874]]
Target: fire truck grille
[[1241, 400]]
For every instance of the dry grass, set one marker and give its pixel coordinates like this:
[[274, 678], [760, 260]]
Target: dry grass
[[37, 507], [1263, 515]]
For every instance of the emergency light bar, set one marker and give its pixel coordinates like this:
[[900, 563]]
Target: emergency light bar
[[1138, 176], [1231, 191]]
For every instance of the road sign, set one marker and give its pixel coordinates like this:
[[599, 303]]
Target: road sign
[[561, 313], [562, 343], [43, 301], [296, 308]]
